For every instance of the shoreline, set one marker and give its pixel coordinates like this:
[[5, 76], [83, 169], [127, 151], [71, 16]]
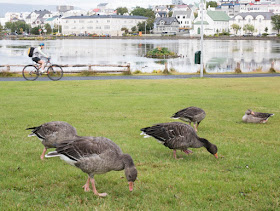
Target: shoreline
[[13, 37]]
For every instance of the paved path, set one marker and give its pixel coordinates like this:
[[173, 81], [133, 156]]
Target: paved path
[[136, 77]]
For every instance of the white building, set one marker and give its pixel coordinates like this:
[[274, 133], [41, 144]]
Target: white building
[[260, 21], [185, 18], [38, 17], [213, 22], [99, 24]]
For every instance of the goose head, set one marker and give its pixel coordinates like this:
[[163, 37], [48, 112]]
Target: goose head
[[212, 148], [129, 170], [249, 112]]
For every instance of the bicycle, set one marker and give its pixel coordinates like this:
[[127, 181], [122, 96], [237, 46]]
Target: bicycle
[[31, 72]]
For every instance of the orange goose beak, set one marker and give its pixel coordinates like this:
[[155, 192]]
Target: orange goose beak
[[216, 155], [130, 186]]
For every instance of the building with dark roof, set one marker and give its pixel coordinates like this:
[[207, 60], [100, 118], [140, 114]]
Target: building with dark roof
[[166, 25]]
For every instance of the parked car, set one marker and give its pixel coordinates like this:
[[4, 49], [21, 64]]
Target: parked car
[[272, 35], [248, 35]]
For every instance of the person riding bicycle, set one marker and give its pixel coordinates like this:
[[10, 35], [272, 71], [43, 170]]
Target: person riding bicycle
[[38, 54]]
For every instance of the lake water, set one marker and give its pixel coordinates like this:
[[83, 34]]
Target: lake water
[[219, 55]]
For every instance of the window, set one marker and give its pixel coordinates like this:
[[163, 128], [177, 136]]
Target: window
[[260, 20], [178, 17], [106, 27], [90, 27], [81, 21], [108, 21], [98, 27], [90, 21], [183, 16]]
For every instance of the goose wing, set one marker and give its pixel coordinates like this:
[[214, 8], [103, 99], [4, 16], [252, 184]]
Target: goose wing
[[86, 147], [174, 135], [262, 115]]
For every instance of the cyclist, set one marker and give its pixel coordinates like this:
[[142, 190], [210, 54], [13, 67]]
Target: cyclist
[[38, 54]]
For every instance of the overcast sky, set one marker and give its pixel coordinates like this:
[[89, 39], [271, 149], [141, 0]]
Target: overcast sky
[[90, 4]]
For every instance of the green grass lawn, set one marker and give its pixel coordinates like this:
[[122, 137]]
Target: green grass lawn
[[245, 177]]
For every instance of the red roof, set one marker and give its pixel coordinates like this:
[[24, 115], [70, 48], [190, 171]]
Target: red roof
[[96, 10], [251, 3]]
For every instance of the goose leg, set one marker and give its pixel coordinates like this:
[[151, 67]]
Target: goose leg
[[43, 154], [195, 127], [174, 154], [94, 189], [86, 186]]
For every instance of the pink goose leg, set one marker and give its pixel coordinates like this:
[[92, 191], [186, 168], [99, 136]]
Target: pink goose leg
[[94, 189]]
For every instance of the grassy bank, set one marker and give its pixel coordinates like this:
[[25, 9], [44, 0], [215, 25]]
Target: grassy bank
[[245, 177]]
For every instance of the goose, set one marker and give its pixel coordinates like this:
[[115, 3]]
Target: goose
[[96, 155], [51, 133], [190, 114], [178, 136], [256, 117]]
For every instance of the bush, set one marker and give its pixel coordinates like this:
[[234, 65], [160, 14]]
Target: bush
[[161, 53], [237, 70], [272, 70], [137, 72], [5, 74], [88, 73], [172, 70]]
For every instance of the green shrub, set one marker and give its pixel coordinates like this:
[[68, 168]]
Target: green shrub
[[88, 73], [137, 72], [5, 74]]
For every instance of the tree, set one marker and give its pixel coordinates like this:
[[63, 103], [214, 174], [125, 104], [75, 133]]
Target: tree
[[1, 28], [124, 29], [48, 28], [122, 10], [170, 13], [134, 29], [249, 27], [211, 4], [35, 30], [236, 27], [266, 29], [143, 12], [275, 20], [18, 26]]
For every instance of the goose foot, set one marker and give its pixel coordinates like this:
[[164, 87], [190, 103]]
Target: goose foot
[[86, 186], [187, 151], [102, 194]]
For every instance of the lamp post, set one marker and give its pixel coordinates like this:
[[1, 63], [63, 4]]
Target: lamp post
[[145, 27], [201, 39]]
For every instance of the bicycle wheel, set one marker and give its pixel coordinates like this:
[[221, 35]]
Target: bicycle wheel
[[55, 72], [30, 73]]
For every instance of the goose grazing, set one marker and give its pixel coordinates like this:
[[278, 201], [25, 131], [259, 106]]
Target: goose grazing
[[51, 133], [96, 155], [177, 135], [190, 114], [255, 117]]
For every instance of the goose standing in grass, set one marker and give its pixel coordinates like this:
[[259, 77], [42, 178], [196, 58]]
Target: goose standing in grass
[[255, 117], [190, 114], [51, 133], [96, 155], [177, 135]]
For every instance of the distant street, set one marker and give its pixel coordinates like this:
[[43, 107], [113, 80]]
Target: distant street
[[149, 77]]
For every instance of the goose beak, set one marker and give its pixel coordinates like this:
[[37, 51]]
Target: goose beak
[[216, 155], [130, 186], [252, 113]]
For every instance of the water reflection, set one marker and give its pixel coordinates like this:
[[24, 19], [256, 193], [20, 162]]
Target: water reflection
[[219, 55]]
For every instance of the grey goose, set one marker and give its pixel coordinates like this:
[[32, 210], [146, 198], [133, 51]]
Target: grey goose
[[256, 117], [190, 114], [178, 136], [96, 155], [51, 133]]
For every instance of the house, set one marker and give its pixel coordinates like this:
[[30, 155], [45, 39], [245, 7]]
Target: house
[[161, 14], [38, 17], [99, 24], [185, 18], [166, 25], [231, 8], [213, 22], [260, 21]]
